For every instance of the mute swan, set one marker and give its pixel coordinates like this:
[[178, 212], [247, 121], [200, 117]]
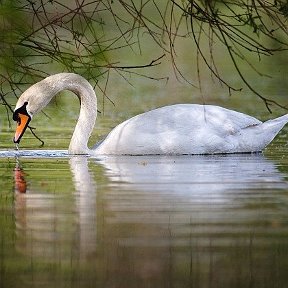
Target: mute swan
[[176, 129]]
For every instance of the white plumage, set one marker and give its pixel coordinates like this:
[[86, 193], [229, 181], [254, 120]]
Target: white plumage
[[190, 129]]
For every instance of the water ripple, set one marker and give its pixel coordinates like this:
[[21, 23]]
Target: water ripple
[[34, 153]]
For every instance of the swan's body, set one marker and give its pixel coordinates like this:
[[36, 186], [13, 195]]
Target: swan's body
[[176, 129]]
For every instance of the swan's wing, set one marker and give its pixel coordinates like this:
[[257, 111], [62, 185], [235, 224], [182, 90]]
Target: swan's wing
[[225, 121]]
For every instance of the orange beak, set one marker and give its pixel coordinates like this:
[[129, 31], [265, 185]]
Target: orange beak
[[22, 123]]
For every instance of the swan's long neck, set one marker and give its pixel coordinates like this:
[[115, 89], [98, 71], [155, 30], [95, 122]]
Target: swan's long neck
[[88, 111]]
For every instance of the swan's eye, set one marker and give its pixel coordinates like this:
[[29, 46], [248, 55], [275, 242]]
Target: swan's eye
[[16, 117]]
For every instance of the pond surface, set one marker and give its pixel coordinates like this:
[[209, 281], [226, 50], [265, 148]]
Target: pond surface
[[185, 221]]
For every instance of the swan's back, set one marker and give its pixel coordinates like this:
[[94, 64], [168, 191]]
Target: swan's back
[[177, 129]]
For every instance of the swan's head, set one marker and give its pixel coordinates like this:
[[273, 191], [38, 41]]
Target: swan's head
[[35, 98], [32, 101]]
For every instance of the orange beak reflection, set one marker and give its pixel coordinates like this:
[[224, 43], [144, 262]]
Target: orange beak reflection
[[20, 182], [22, 123]]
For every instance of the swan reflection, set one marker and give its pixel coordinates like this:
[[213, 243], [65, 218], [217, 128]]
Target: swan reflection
[[194, 175], [152, 217], [44, 225], [194, 190], [85, 199]]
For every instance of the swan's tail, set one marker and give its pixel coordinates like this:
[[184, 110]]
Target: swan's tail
[[272, 127], [277, 123]]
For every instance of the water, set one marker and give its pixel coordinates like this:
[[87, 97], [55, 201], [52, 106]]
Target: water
[[150, 221]]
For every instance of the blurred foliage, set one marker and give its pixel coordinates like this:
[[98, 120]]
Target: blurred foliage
[[39, 38]]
